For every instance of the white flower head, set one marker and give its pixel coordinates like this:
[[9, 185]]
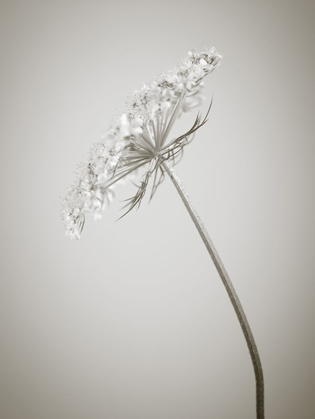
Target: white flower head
[[138, 138]]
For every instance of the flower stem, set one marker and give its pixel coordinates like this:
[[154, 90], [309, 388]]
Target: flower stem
[[229, 288]]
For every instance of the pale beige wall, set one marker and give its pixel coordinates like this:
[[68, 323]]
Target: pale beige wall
[[132, 321]]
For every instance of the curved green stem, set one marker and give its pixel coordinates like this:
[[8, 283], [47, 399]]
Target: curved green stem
[[229, 288]]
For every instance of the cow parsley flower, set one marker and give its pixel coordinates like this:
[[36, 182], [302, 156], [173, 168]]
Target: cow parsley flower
[[139, 137]]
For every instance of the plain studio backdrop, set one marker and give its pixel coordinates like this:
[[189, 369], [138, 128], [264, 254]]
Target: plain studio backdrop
[[132, 321]]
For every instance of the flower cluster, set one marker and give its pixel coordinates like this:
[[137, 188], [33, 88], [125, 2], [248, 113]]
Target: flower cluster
[[160, 95], [139, 138]]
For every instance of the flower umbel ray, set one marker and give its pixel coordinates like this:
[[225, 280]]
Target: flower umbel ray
[[140, 137]]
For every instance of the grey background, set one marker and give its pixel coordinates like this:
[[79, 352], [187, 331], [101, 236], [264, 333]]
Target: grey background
[[132, 321]]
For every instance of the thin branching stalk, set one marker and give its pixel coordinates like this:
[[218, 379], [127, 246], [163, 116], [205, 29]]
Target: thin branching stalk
[[229, 288]]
